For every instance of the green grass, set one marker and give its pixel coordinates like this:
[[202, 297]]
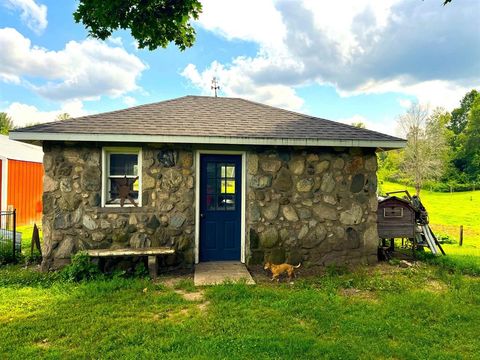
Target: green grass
[[447, 211], [383, 312]]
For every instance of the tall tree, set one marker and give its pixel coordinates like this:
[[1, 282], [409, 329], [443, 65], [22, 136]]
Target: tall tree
[[424, 155], [6, 123], [63, 116], [471, 149], [461, 165], [153, 23], [359, 124], [460, 115]]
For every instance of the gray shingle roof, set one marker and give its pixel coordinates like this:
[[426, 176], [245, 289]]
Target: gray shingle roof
[[200, 116]]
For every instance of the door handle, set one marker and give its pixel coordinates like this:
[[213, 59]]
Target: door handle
[[202, 215]]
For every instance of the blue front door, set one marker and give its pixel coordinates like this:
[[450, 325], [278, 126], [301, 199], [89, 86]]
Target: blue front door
[[220, 207]]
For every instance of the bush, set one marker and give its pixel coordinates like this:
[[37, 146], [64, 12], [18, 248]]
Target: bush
[[81, 268], [6, 253], [445, 239], [449, 186]]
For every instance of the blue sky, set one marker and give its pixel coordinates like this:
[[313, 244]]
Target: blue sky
[[362, 60]]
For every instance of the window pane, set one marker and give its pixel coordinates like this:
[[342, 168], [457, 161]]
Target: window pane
[[210, 170], [117, 185], [230, 171], [221, 203], [211, 202], [124, 164], [229, 202], [230, 187], [211, 186], [222, 171]]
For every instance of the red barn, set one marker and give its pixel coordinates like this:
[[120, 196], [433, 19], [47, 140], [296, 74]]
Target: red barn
[[21, 177]]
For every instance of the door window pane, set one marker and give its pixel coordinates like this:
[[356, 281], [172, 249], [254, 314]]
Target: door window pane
[[230, 186], [211, 170], [221, 185], [231, 171], [211, 186], [211, 202]]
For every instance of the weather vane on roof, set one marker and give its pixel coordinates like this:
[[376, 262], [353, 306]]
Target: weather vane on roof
[[215, 85]]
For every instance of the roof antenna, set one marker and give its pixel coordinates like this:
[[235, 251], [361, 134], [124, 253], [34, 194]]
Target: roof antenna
[[215, 85]]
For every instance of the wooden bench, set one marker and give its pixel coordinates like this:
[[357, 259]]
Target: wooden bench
[[152, 254]]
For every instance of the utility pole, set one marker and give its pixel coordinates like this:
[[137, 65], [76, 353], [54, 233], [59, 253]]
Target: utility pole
[[215, 85]]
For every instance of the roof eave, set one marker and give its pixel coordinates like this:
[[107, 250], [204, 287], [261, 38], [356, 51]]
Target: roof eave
[[39, 137]]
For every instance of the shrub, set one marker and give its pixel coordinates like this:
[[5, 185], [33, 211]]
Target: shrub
[[140, 270], [450, 186], [81, 268], [445, 239], [6, 255]]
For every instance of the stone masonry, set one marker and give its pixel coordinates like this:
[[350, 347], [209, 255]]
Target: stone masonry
[[73, 219], [316, 206]]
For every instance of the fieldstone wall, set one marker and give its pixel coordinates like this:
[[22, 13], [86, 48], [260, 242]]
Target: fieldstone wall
[[74, 220], [317, 207]]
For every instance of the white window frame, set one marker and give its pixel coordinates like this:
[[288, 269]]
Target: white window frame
[[106, 151]]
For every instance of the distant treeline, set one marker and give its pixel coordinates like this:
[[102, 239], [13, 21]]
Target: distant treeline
[[443, 150]]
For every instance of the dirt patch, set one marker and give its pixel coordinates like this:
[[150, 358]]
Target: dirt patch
[[191, 296], [44, 344], [197, 296], [203, 306], [359, 294], [435, 286], [171, 279]]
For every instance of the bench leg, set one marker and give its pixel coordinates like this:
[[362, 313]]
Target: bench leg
[[153, 266]]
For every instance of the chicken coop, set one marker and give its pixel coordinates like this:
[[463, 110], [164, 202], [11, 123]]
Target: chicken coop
[[404, 218]]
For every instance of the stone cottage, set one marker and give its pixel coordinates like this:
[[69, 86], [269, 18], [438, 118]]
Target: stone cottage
[[214, 178]]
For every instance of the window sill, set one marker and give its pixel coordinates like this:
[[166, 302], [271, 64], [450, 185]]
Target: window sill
[[123, 210]]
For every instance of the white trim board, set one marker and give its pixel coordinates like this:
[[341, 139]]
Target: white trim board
[[175, 139], [121, 150], [243, 201], [4, 184]]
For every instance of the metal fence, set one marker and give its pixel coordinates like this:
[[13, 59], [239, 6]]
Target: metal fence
[[10, 239]]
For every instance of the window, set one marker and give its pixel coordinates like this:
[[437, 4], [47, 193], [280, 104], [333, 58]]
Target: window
[[393, 212], [220, 186], [121, 182]]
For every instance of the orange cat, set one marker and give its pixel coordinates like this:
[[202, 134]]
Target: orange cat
[[278, 270]]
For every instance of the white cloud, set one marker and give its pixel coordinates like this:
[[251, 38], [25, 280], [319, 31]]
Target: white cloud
[[82, 70], [405, 103], [250, 20], [433, 93], [385, 127], [33, 15], [235, 82], [115, 41], [368, 46], [24, 114]]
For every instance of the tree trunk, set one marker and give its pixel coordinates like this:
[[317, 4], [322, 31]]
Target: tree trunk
[[417, 189]]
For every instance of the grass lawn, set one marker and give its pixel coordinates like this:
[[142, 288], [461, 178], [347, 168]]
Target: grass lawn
[[447, 211], [431, 310], [382, 312]]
